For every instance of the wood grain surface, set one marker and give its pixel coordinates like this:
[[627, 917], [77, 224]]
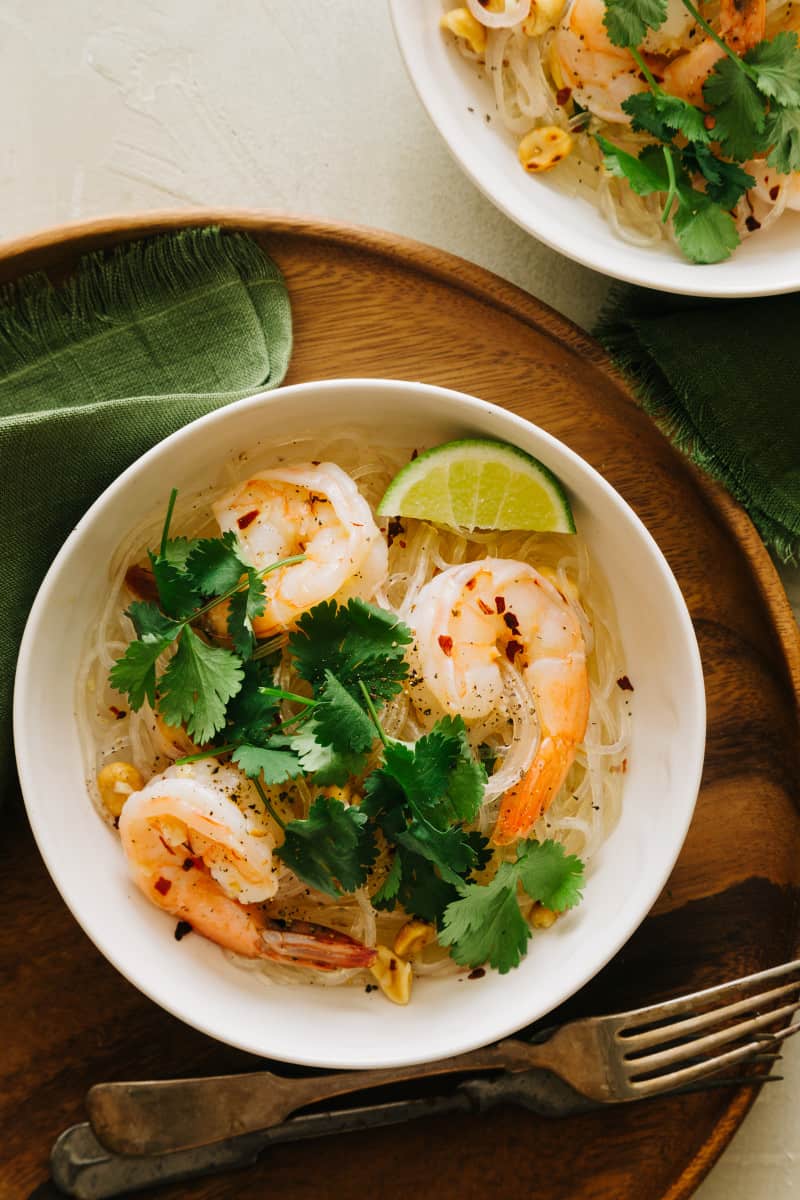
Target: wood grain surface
[[369, 304]]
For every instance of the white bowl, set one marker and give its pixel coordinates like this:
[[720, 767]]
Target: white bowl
[[344, 1027], [448, 87]]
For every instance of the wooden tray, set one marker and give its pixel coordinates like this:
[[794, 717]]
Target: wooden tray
[[370, 304]]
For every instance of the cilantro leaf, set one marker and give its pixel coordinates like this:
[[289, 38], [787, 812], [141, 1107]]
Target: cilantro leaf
[[251, 715], [176, 551], [485, 924], [215, 565], [177, 593], [738, 109], [706, 233], [451, 850], [783, 135], [385, 802], [332, 849], [386, 894], [627, 21], [550, 875], [440, 777], [422, 891], [776, 65], [340, 721], [197, 684], [276, 766], [242, 607], [150, 623], [664, 115], [134, 674], [414, 883], [726, 182], [327, 765], [644, 174], [356, 641]]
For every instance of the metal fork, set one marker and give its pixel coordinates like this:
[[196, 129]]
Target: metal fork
[[612, 1059]]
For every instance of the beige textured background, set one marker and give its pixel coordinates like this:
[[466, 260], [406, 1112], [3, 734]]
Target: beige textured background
[[303, 107]]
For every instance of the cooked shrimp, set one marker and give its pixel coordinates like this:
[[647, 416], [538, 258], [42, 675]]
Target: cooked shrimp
[[469, 619], [742, 23], [600, 75], [199, 846], [313, 509]]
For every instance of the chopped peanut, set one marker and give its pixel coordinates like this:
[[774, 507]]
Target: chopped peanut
[[544, 15], [460, 21], [116, 781], [541, 917], [413, 937], [542, 148], [393, 975]]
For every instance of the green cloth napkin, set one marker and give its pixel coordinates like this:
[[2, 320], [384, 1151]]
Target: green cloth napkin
[[92, 373], [722, 379]]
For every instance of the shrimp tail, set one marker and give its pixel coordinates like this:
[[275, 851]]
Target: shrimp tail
[[307, 945], [524, 803]]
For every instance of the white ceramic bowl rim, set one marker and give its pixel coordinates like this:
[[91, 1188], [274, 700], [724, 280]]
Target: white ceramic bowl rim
[[358, 1040], [765, 265]]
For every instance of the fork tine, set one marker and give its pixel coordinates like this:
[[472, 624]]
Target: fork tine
[[675, 1079], [638, 1017], [694, 1046], [685, 1025]]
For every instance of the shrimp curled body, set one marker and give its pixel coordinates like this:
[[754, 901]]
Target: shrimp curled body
[[474, 619], [199, 847], [313, 509]]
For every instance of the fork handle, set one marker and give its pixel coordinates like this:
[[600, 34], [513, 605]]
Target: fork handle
[[160, 1116]]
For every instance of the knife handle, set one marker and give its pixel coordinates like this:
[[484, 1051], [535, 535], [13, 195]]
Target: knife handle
[[82, 1167]]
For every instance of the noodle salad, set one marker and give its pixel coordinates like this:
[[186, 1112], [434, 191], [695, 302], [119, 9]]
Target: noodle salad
[[678, 121], [350, 748]]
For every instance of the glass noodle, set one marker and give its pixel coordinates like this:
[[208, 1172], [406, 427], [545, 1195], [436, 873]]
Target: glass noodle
[[582, 815]]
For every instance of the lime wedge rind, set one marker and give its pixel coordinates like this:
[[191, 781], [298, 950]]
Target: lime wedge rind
[[443, 485]]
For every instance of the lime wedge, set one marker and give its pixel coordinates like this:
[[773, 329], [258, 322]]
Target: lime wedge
[[479, 484]]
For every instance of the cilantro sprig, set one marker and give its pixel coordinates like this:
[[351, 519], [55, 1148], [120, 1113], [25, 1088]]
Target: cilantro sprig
[[485, 923], [191, 578], [753, 105]]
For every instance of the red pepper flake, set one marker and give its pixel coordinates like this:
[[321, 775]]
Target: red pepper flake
[[500, 603], [477, 973], [470, 584], [162, 885], [247, 518], [709, 120], [402, 544], [484, 607], [774, 192], [446, 644], [511, 621], [624, 684], [563, 95], [513, 648], [181, 930], [752, 224], [166, 845], [119, 713]]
